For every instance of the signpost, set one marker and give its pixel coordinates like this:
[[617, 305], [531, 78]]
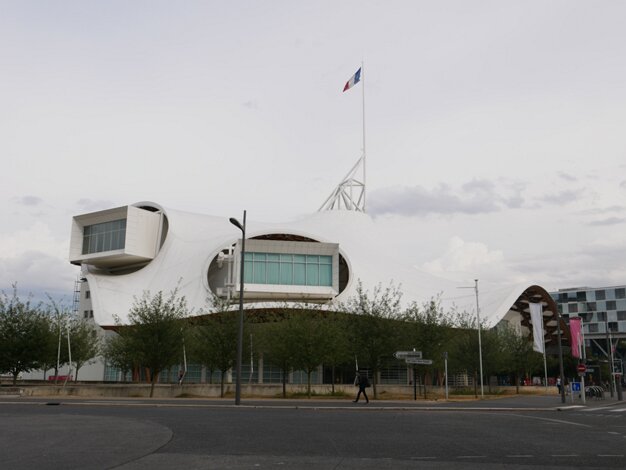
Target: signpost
[[414, 358], [421, 362], [407, 354], [582, 368]]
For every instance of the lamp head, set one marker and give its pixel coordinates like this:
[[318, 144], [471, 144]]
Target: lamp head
[[236, 223]]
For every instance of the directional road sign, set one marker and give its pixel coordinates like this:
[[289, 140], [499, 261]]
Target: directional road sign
[[406, 354], [422, 362]]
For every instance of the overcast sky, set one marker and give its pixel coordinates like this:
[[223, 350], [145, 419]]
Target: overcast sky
[[495, 129]]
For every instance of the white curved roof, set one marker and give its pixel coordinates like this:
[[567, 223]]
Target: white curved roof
[[193, 240]]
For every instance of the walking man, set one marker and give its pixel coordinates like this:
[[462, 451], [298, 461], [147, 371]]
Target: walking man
[[362, 382]]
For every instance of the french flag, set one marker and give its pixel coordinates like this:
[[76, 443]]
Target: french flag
[[356, 78]]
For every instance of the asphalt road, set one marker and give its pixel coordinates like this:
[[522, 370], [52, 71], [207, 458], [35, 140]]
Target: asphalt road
[[516, 433]]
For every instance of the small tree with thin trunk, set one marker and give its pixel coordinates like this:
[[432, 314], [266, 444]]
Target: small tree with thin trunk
[[156, 330], [84, 343], [24, 335], [374, 334], [309, 338], [118, 353], [214, 342]]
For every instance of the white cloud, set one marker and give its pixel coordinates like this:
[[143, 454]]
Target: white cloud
[[474, 197], [35, 260], [465, 259]]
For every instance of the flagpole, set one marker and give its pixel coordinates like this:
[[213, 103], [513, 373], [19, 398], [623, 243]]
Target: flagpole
[[363, 94]]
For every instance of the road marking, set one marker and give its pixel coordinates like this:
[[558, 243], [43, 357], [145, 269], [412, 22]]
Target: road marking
[[423, 458], [564, 455], [560, 421], [610, 455], [571, 407], [619, 410], [614, 432], [520, 456]]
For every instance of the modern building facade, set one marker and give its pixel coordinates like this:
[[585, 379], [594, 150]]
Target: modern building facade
[[321, 259], [603, 314]]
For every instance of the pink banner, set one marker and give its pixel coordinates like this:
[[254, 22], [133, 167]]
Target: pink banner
[[575, 328]]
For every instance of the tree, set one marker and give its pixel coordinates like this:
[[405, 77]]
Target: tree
[[428, 330], [278, 347], [84, 343], [118, 353], [214, 342], [374, 332], [309, 339], [24, 335], [338, 348], [517, 350], [156, 330]]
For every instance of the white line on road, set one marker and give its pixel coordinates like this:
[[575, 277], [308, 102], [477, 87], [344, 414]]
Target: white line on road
[[423, 458], [564, 455], [610, 455], [569, 423]]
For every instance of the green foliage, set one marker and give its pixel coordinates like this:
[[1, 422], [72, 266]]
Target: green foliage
[[155, 334], [428, 329], [278, 346], [310, 339], [119, 353], [24, 335], [373, 331], [214, 339], [84, 343]]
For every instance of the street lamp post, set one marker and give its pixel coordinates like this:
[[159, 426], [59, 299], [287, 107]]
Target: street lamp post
[[480, 346], [561, 374], [241, 227]]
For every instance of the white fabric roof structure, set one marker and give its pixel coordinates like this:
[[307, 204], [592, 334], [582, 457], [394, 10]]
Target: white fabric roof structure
[[193, 241]]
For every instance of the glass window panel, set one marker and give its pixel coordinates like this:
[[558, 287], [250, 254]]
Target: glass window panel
[[286, 258], [299, 277], [312, 275], [286, 273], [259, 272], [312, 259], [299, 258], [100, 245], [104, 237], [259, 256], [273, 273], [247, 271], [108, 237], [247, 256], [610, 305], [326, 275], [600, 295], [620, 293], [326, 260], [273, 257]]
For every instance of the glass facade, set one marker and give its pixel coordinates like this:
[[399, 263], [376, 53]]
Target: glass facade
[[106, 236], [601, 309], [288, 269]]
